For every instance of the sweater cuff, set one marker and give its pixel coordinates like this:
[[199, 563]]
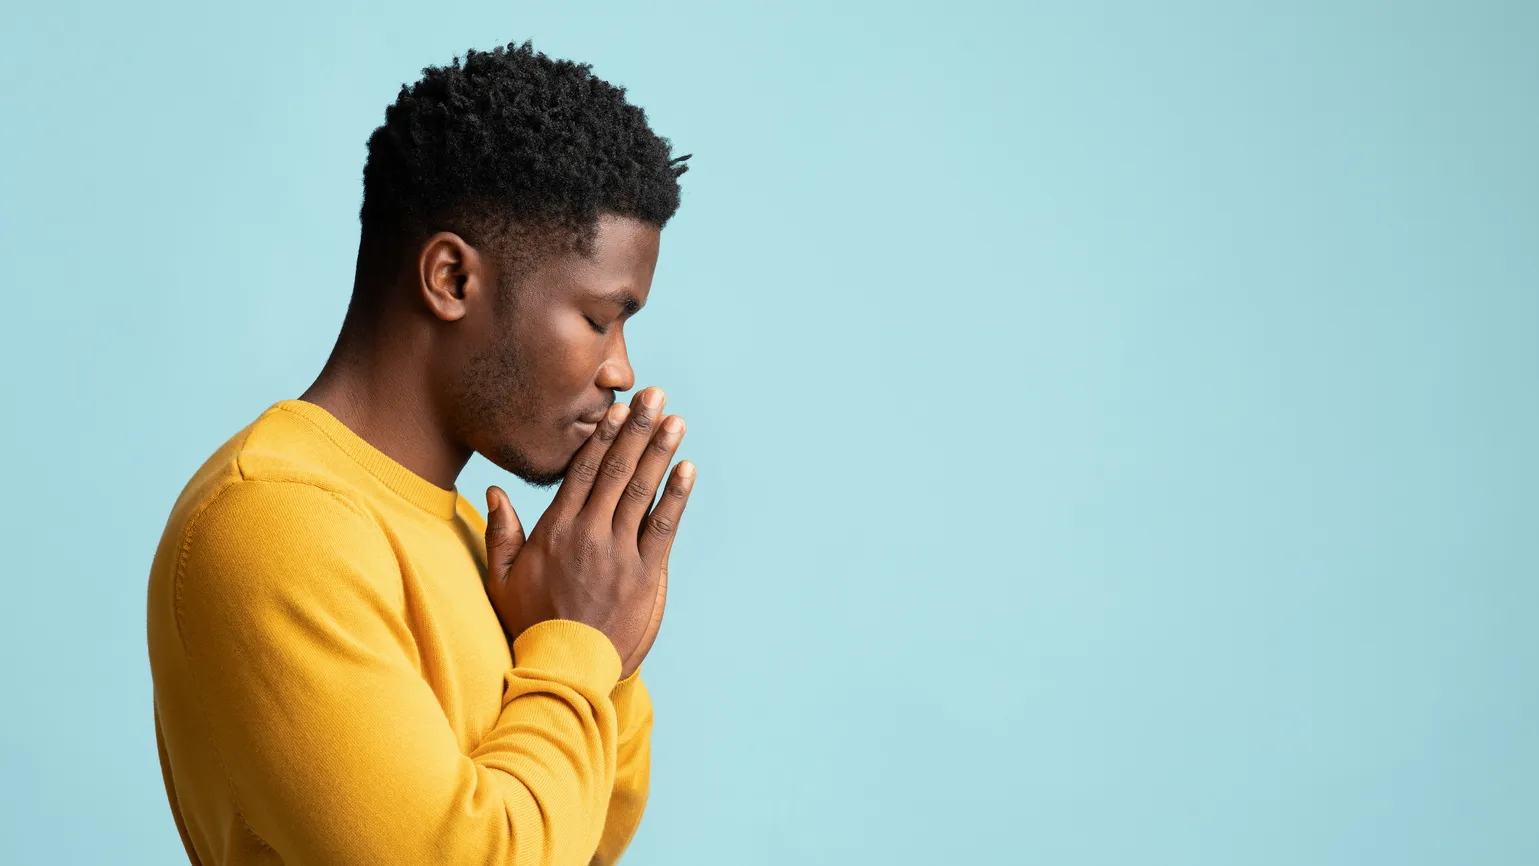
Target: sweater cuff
[[568, 652], [626, 687]]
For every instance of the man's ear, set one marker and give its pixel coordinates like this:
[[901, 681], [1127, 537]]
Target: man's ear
[[450, 275]]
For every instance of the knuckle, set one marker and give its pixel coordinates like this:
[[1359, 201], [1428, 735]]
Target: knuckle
[[557, 531], [549, 541], [639, 491], [576, 539], [589, 548], [617, 469], [660, 445], [585, 471], [660, 526], [642, 421]]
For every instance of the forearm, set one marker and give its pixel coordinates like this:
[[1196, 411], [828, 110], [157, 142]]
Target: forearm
[[533, 792], [554, 752], [633, 708]]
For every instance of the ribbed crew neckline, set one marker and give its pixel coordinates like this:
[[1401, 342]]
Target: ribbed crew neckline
[[413, 487]]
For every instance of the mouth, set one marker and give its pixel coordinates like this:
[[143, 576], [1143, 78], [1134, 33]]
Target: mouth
[[589, 422], [593, 418]]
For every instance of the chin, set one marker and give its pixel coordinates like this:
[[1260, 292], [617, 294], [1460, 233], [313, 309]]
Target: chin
[[531, 470], [549, 479]]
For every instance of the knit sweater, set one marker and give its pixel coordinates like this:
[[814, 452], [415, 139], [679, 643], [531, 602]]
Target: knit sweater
[[332, 685]]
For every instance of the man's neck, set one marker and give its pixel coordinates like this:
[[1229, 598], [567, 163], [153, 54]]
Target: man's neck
[[389, 407]]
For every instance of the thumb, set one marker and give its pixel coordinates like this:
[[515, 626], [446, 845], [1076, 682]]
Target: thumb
[[504, 534]]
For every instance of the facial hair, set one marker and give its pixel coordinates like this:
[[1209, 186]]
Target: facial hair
[[496, 403]]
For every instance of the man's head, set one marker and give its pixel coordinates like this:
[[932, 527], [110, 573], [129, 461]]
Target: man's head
[[511, 215]]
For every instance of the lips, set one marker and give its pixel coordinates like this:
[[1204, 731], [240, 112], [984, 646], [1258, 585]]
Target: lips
[[595, 416]]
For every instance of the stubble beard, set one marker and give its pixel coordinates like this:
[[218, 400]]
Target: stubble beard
[[496, 404]]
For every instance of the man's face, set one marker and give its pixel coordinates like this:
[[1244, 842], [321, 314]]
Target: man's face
[[541, 365]]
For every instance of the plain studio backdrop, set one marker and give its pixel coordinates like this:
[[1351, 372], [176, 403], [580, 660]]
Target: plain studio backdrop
[[1116, 422]]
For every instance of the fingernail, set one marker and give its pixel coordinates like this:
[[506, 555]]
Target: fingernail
[[674, 424], [653, 398], [618, 411], [686, 470]]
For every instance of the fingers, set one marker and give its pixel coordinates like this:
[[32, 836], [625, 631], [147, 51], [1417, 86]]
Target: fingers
[[659, 603], [584, 468], [657, 535], [619, 462], [642, 488], [504, 533]]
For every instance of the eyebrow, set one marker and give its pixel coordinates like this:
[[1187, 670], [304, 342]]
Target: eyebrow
[[623, 299]]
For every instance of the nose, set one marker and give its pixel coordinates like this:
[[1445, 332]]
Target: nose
[[616, 373]]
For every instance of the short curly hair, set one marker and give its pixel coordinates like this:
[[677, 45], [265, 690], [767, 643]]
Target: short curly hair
[[510, 139]]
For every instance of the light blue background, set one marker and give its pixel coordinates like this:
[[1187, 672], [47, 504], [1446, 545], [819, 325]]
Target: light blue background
[[1116, 422]]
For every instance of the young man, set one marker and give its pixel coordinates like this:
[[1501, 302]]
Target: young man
[[351, 665]]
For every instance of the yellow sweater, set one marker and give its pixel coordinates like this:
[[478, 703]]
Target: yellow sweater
[[332, 685]]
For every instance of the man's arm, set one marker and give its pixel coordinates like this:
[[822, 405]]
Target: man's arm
[[334, 747], [633, 708], [633, 712]]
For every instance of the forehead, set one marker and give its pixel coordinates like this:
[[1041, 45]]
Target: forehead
[[621, 260]]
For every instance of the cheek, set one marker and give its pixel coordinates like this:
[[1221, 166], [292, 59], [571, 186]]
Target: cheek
[[568, 359], [497, 383], [555, 377], [554, 355]]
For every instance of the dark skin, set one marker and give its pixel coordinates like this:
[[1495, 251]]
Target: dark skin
[[455, 364]]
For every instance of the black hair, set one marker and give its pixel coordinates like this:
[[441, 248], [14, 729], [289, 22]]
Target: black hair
[[510, 139]]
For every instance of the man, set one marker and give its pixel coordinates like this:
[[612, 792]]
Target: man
[[351, 665]]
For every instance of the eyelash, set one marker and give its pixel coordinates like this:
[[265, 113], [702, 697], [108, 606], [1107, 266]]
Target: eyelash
[[594, 325]]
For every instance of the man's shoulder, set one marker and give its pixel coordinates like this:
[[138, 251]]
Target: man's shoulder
[[277, 446], [282, 445], [270, 487], [266, 543], [279, 479]]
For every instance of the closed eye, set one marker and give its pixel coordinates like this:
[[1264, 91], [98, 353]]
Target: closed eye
[[595, 326]]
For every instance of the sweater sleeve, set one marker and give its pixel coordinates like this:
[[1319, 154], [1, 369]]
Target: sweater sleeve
[[292, 619], [633, 707]]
